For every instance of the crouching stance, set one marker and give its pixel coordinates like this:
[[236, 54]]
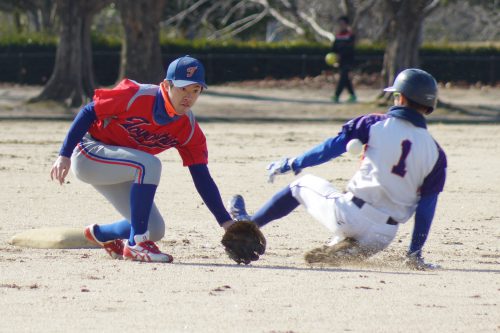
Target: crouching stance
[[402, 172], [112, 144]]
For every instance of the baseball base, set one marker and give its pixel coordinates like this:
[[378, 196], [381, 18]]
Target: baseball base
[[52, 238]]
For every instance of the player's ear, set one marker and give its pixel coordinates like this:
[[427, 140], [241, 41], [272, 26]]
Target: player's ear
[[403, 100]]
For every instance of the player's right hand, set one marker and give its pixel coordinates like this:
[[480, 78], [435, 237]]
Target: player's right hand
[[60, 169], [416, 261], [280, 167]]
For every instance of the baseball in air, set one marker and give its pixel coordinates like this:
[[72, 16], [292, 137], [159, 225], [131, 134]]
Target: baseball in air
[[354, 147], [330, 59]]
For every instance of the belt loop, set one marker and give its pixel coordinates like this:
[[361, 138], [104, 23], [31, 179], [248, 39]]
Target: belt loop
[[360, 203]]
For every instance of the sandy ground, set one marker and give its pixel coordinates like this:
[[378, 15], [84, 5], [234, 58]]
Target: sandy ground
[[82, 290], [239, 102]]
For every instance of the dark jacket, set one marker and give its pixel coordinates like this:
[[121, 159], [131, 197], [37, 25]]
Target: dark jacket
[[344, 47]]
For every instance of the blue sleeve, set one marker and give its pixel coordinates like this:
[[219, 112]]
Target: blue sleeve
[[322, 153], [423, 219], [357, 128], [209, 192], [80, 126]]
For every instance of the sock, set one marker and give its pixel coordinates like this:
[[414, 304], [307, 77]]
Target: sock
[[117, 230], [280, 205], [141, 201]]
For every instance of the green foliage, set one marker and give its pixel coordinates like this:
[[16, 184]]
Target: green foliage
[[105, 42], [198, 46], [43, 42], [27, 42], [460, 49]]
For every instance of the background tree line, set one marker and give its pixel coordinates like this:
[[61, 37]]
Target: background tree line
[[402, 25]]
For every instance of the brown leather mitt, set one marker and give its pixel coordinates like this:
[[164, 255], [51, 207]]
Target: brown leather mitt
[[244, 242]]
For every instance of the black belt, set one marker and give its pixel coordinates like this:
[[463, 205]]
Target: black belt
[[360, 202]]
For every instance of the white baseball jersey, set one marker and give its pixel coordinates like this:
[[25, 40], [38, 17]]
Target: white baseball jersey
[[401, 162]]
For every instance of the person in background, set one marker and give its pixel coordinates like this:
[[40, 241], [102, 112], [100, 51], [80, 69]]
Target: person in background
[[343, 46]]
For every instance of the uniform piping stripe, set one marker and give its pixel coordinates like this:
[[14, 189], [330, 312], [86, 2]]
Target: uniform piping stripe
[[140, 168], [192, 123], [144, 89]]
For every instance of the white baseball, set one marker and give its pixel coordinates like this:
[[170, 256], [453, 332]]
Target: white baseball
[[354, 147]]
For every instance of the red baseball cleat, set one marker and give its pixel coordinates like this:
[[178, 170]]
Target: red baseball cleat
[[114, 247]]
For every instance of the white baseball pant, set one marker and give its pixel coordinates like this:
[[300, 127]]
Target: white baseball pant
[[336, 211], [112, 170]]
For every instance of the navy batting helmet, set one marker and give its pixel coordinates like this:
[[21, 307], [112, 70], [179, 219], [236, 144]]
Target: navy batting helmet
[[418, 86]]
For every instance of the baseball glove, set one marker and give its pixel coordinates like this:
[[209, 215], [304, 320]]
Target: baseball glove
[[244, 242]]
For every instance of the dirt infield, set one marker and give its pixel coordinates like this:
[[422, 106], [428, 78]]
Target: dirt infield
[[82, 290]]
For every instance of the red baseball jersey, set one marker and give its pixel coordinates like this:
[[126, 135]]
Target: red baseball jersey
[[125, 118]]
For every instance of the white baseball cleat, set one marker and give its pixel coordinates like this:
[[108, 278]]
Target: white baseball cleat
[[145, 250], [114, 247]]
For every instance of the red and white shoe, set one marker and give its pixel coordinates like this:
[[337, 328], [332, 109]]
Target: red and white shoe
[[114, 247], [145, 250]]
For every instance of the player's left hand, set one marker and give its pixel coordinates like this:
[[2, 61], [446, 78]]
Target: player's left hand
[[60, 169], [280, 167], [416, 261]]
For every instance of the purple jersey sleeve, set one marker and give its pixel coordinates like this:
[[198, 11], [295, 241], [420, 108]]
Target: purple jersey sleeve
[[434, 182], [359, 128]]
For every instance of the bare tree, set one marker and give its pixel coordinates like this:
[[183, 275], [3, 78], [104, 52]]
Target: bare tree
[[472, 20], [403, 34], [315, 19], [309, 19], [40, 14], [230, 18], [211, 19], [141, 53], [72, 79]]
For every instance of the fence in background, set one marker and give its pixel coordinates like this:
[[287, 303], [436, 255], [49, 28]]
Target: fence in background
[[36, 67]]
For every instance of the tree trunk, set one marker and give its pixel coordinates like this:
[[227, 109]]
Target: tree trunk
[[91, 8], [404, 36], [141, 53], [72, 80], [65, 83]]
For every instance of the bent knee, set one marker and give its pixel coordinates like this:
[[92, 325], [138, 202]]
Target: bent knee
[[307, 181], [152, 170], [307, 178]]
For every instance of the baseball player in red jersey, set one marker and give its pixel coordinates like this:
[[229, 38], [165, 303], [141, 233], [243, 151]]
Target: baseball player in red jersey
[[112, 144]]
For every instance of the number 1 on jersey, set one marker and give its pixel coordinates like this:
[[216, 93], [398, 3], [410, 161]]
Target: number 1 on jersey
[[400, 168]]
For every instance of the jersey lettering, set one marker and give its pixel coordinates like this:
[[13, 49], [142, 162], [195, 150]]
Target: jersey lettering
[[400, 168], [135, 127]]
